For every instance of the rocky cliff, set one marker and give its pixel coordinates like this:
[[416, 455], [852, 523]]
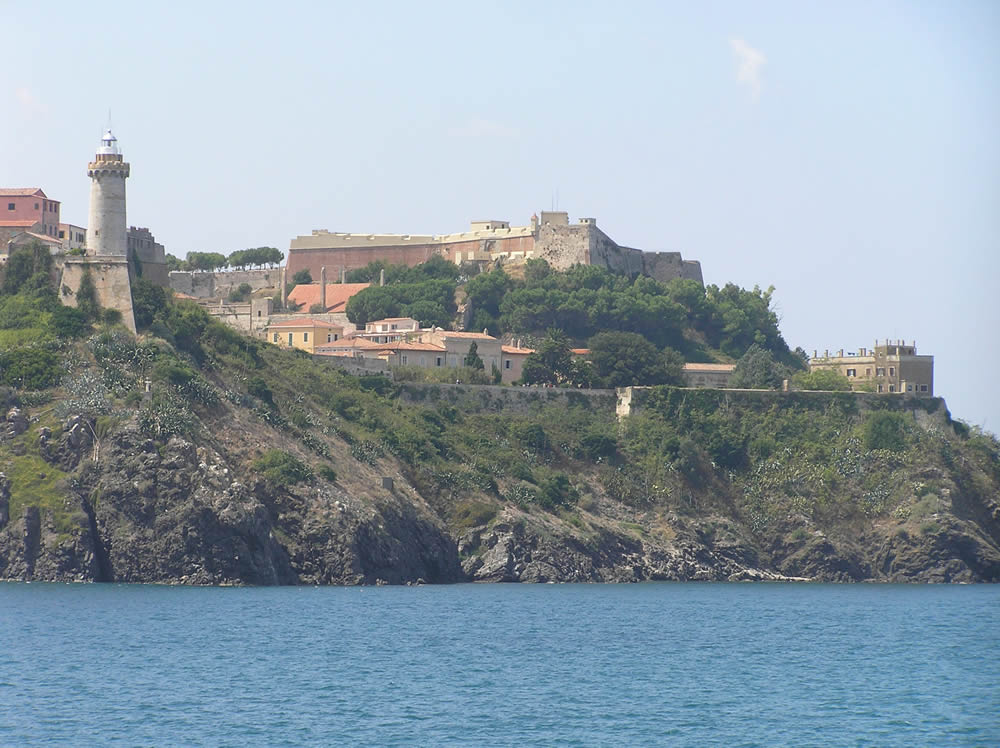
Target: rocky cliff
[[245, 464]]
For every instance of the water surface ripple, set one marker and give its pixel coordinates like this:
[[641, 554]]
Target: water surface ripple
[[650, 664]]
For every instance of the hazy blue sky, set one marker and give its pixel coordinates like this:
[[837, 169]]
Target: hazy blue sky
[[847, 153]]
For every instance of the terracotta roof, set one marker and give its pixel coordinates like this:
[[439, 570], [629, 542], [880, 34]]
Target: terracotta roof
[[514, 349], [414, 347], [453, 334], [20, 222], [304, 323], [337, 294], [709, 367], [579, 351], [353, 343], [43, 238], [22, 192]]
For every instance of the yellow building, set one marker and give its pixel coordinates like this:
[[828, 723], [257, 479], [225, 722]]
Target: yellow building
[[890, 367], [304, 334]]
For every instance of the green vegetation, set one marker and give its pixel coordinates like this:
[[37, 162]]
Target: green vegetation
[[425, 292], [240, 293], [205, 261], [586, 300], [282, 469], [822, 379], [621, 359], [302, 277]]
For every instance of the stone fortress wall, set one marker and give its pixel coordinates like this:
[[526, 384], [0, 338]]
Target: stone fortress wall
[[214, 285], [551, 237]]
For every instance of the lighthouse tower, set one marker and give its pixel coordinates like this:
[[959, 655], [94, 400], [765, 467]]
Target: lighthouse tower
[[104, 270], [106, 231]]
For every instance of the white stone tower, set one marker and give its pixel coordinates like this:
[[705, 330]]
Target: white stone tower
[[106, 262], [107, 231]]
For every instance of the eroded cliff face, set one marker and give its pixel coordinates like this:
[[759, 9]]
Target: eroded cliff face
[[130, 509]]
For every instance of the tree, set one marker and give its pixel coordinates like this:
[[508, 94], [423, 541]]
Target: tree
[[241, 292], [821, 379], [623, 359], [757, 370], [472, 359], [302, 277], [552, 361], [885, 430], [27, 268], [175, 263], [206, 260], [148, 299]]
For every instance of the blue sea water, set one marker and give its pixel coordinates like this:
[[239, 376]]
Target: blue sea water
[[649, 664]]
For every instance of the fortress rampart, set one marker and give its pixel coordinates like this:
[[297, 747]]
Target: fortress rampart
[[551, 238]]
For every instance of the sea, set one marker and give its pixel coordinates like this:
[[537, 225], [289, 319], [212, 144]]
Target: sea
[[674, 664]]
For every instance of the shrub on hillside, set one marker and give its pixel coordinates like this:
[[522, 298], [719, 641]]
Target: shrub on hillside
[[282, 469], [884, 429], [29, 368]]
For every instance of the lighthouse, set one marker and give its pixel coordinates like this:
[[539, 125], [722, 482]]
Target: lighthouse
[[105, 267], [106, 230]]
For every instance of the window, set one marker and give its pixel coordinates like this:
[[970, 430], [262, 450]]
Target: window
[[290, 337], [892, 371], [10, 206], [892, 388], [437, 361], [62, 234], [923, 388], [403, 358], [852, 372], [336, 336], [868, 372], [329, 338], [258, 312], [275, 338], [879, 371], [36, 206], [506, 364], [305, 337], [880, 388], [909, 388]]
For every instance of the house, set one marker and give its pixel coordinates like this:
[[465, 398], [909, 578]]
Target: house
[[390, 330], [714, 376], [304, 334], [27, 209], [513, 358], [308, 295], [891, 367], [456, 346]]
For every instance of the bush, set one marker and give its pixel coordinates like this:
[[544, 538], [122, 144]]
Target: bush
[[327, 473], [259, 389], [596, 445], [885, 430], [282, 469], [557, 491], [29, 368]]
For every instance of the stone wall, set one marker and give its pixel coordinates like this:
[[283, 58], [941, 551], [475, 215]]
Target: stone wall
[[112, 285], [216, 285], [631, 400], [482, 397], [665, 266]]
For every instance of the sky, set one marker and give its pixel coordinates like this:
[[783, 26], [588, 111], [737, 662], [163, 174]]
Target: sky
[[846, 153]]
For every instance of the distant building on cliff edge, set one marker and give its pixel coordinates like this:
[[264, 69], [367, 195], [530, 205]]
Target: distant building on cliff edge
[[106, 257], [551, 238], [890, 367]]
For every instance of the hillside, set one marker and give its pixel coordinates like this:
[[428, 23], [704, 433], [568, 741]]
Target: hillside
[[248, 464]]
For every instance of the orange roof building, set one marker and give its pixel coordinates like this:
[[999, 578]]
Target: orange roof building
[[307, 295]]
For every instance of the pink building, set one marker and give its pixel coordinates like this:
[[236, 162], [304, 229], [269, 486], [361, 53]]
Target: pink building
[[28, 209]]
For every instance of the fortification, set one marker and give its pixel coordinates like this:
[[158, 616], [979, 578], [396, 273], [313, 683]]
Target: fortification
[[106, 258], [551, 237]]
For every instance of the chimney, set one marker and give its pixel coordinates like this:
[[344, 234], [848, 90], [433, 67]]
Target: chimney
[[284, 282], [381, 277], [343, 274], [322, 287]]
